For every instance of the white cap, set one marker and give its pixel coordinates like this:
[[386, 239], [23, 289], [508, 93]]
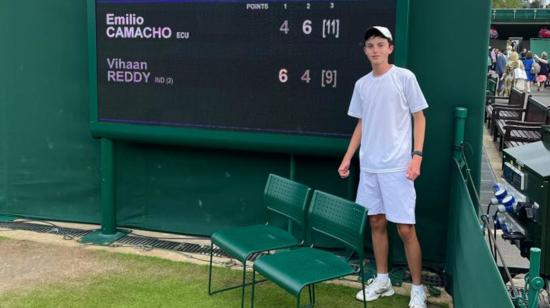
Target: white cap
[[378, 30]]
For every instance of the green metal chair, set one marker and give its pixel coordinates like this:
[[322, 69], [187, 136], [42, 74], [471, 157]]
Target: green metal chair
[[295, 269], [281, 196]]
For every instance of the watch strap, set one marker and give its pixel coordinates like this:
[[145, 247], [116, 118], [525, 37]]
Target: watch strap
[[419, 153]]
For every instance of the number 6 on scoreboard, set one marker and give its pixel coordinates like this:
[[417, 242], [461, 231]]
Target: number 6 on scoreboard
[[283, 75], [306, 27]]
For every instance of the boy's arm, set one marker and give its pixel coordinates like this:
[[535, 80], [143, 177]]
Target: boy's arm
[[413, 170], [343, 170]]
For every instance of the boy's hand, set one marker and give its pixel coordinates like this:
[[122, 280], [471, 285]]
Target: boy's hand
[[413, 171], [343, 170]]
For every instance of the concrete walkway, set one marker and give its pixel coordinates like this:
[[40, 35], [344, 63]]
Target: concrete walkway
[[491, 172], [542, 96]]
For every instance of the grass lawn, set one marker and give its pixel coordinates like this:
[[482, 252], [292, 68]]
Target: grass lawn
[[154, 282]]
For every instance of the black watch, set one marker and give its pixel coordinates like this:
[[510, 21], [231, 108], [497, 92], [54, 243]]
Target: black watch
[[419, 153]]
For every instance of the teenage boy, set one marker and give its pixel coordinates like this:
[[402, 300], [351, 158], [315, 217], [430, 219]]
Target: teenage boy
[[383, 101]]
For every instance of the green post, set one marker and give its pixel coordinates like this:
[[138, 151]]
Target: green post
[[108, 232], [107, 192], [292, 176], [292, 167], [535, 283], [460, 123]]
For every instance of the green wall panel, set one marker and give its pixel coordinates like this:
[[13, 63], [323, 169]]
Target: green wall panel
[[538, 45], [451, 73], [192, 191], [469, 255], [49, 162]]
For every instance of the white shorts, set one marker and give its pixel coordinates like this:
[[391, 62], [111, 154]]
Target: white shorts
[[391, 194]]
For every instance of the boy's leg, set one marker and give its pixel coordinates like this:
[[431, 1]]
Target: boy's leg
[[379, 233], [368, 195], [381, 285], [407, 233], [412, 250], [399, 199]]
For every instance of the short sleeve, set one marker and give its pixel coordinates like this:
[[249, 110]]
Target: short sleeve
[[355, 106], [413, 94]]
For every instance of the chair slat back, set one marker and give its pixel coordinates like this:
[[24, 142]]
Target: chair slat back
[[491, 86], [338, 218], [517, 98], [287, 198], [535, 111]]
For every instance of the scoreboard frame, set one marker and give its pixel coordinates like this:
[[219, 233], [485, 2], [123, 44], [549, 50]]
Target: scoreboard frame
[[220, 138]]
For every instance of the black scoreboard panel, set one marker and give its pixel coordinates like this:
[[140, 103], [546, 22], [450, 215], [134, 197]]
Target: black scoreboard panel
[[272, 66]]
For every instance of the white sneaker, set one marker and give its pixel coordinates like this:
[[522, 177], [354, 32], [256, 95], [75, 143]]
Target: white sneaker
[[418, 299], [375, 289]]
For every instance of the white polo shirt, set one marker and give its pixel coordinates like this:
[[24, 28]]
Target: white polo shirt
[[385, 104]]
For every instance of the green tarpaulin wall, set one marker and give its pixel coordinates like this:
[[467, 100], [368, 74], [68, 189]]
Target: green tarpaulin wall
[[49, 162], [540, 45], [475, 279]]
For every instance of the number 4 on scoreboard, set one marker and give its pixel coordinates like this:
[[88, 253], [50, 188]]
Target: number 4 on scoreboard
[[284, 27], [305, 77]]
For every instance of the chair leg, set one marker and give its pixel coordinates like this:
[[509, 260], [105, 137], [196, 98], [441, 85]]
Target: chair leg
[[253, 287], [313, 291], [362, 273], [210, 269], [244, 284]]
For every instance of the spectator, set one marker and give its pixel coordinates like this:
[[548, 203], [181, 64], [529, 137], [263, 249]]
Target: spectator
[[544, 70], [489, 61], [508, 50], [493, 57], [500, 67], [510, 80], [522, 54], [528, 64]]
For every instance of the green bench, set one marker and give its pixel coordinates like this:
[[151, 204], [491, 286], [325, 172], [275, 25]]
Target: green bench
[[526, 127], [505, 110], [295, 269], [281, 196]]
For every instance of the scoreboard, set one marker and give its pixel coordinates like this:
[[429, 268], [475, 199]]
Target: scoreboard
[[269, 70]]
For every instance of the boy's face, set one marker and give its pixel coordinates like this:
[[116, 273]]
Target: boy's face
[[378, 50]]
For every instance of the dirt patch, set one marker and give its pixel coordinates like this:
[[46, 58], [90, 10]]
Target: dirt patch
[[26, 264]]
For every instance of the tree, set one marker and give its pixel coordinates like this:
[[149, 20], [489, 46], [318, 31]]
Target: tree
[[507, 4], [535, 4]]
